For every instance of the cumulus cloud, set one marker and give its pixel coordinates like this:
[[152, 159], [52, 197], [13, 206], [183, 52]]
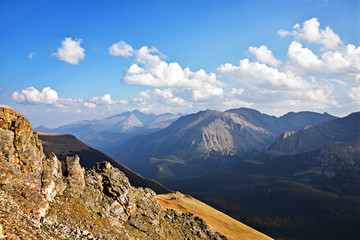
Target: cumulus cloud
[[264, 55], [266, 84], [345, 61], [168, 97], [106, 99], [121, 49], [32, 95], [144, 94], [306, 79], [70, 51], [303, 57], [49, 96], [151, 70], [103, 100], [236, 91], [89, 105], [312, 33], [354, 94]]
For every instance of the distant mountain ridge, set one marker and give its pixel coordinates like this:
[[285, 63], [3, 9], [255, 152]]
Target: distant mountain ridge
[[337, 131], [102, 133], [207, 140]]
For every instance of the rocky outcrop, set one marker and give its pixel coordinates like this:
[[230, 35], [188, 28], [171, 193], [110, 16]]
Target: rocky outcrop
[[75, 175], [52, 178], [21, 144], [40, 200]]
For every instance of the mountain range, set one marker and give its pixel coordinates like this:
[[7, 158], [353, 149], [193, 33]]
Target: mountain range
[[104, 133], [208, 140], [305, 186]]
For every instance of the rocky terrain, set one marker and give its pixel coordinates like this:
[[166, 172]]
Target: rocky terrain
[[39, 199], [64, 145]]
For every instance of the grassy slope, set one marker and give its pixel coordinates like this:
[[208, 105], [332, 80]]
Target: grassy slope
[[218, 221], [67, 145]]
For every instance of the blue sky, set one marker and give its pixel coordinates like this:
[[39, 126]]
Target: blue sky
[[64, 61]]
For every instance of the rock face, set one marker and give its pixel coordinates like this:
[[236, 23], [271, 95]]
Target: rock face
[[38, 200], [21, 145]]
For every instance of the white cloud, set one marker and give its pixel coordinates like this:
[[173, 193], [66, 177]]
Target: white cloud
[[266, 84], [354, 94], [231, 103], [283, 33], [46, 96], [312, 33], [89, 105], [306, 80], [144, 94], [235, 91], [302, 57], [102, 100], [32, 95], [50, 97], [151, 70], [345, 61], [123, 101], [106, 99], [31, 54], [326, 37], [264, 55], [121, 49], [70, 51], [169, 97]]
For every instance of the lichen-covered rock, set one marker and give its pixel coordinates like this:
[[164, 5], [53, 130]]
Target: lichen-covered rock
[[52, 178], [75, 175], [109, 192], [6, 145], [27, 150]]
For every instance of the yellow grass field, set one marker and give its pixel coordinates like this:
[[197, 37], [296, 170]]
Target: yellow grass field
[[218, 221]]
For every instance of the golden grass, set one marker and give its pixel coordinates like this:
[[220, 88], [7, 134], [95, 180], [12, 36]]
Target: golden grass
[[48, 134], [218, 221]]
